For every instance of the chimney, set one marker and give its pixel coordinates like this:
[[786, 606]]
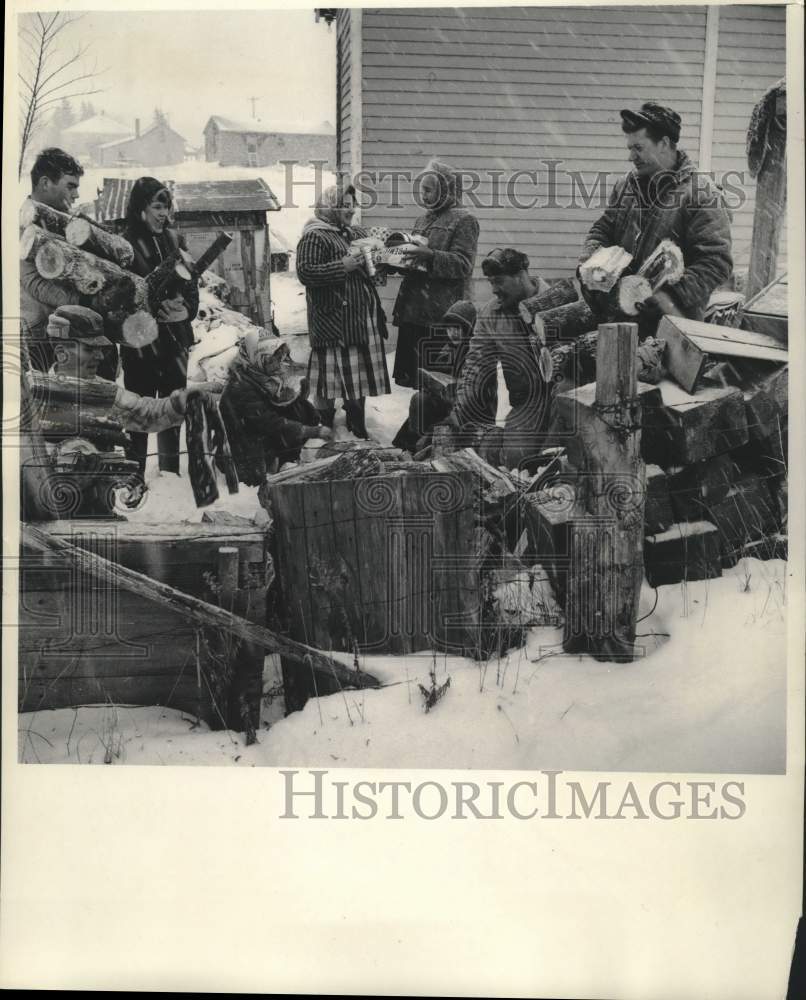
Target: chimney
[[137, 128]]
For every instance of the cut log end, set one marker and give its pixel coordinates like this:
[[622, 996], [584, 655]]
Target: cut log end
[[30, 242], [633, 290], [78, 232], [140, 329], [51, 260]]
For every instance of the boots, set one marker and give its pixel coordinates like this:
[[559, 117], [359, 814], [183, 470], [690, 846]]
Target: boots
[[354, 411]]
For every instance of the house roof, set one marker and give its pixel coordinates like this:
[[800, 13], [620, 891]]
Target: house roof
[[98, 124], [250, 195], [259, 127], [135, 138]]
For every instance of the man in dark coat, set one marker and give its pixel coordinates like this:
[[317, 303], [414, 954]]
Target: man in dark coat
[[501, 335], [665, 197], [425, 408]]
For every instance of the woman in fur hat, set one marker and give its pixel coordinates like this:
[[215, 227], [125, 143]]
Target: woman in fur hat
[[346, 323], [157, 369], [452, 234]]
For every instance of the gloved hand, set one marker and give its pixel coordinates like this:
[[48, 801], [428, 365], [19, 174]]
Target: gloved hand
[[650, 313], [172, 310]]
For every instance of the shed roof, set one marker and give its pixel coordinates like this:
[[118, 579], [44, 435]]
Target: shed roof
[[249, 195], [134, 138], [259, 127]]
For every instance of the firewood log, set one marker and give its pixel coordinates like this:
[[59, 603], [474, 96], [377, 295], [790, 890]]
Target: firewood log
[[664, 266], [565, 322], [632, 291], [603, 268], [200, 459], [83, 233], [139, 329], [63, 261], [35, 213], [560, 293], [31, 240]]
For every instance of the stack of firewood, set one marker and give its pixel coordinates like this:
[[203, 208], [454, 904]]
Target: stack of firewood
[[76, 253]]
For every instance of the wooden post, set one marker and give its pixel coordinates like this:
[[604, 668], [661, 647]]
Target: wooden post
[[607, 546], [227, 575], [770, 209]]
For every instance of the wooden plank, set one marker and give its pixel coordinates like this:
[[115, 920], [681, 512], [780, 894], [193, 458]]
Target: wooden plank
[[191, 608], [682, 358]]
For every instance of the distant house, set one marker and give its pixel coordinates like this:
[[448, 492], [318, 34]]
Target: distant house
[[81, 138], [159, 146], [260, 144], [202, 210]]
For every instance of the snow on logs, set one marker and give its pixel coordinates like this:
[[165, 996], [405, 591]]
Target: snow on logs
[[118, 294], [77, 230]]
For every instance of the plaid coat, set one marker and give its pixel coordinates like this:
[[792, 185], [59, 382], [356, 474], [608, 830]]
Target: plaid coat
[[338, 303], [685, 207]]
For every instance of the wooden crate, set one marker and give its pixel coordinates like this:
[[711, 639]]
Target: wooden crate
[[83, 643], [384, 561]]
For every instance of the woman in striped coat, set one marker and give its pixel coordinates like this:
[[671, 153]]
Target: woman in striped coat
[[346, 323]]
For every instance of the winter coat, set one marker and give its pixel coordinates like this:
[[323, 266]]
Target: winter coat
[[340, 305], [687, 208], [39, 297], [259, 430], [150, 249], [425, 296], [500, 335]]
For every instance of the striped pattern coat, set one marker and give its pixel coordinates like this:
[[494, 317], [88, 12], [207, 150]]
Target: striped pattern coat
[[339, 303]]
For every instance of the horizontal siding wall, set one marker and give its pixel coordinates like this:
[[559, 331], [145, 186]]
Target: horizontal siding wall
[[502, 92], [509, 89], [752, 50]]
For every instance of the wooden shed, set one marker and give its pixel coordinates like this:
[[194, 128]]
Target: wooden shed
[[206, 208], [505, 91]]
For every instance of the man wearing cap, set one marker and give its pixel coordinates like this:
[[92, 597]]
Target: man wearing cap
[[665, 197], [501, 335], [77, 336]]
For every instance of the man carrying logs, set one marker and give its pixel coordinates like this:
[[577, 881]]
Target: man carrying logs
[[55, 179], [85, 419], [664, 198], [501, 334]]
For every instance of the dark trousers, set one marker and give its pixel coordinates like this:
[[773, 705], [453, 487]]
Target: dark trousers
[[158, 376], [407, 353]]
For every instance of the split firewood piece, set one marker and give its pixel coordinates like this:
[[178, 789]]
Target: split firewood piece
[[140, 329], [564, 322], [664, 266], [32, 238], [34, 213], [158, 282], [633, 290], [83, 233], [220, 444], [603, 268], [560, 293], [200, 463]]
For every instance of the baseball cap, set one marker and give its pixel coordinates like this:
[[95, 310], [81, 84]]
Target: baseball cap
[[78, 323], [653, 115]]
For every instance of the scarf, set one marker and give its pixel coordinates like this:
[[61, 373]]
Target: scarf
[[265, 361]]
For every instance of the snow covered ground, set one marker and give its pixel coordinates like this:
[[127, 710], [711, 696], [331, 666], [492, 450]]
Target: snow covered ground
[[709, 694]]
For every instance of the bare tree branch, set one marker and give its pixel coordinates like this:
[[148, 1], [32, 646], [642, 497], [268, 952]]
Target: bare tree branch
[[41, 68]]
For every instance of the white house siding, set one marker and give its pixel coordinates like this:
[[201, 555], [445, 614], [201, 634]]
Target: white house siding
[[751, 58], [508, 89]]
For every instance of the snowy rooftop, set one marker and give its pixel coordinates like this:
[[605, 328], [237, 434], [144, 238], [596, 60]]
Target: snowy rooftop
[[257, 126], [100, 124], [245, 195]]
